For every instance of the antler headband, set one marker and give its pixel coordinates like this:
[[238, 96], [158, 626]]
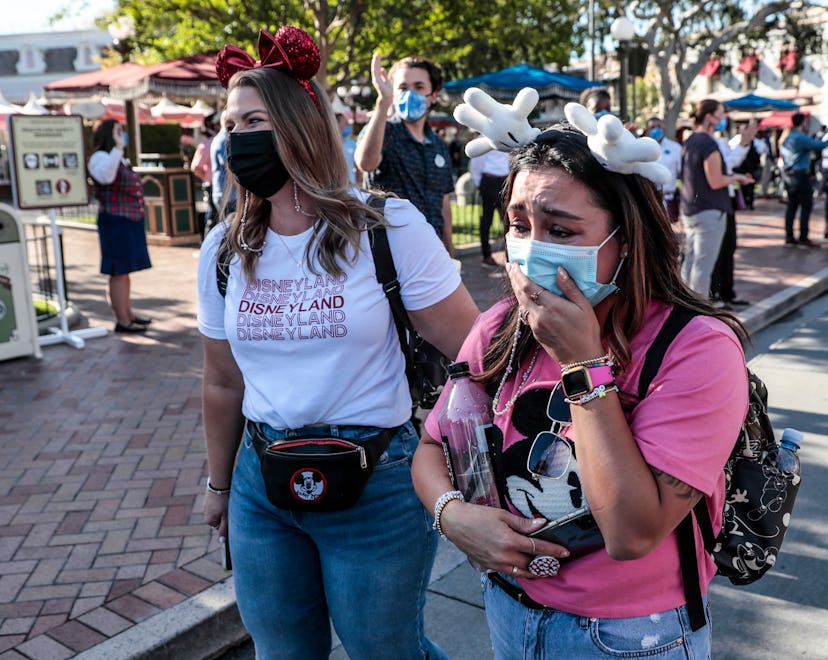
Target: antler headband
[[291, 51]]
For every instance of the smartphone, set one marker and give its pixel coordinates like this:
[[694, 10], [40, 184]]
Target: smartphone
[[225, 556], [577, 532]]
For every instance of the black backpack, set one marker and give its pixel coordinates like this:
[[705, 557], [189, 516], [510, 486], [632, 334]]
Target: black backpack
[[425, 365], [759, 498]]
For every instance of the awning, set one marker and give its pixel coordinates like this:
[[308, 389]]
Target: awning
[[193, 76], [711, 68], [504, 84], [779, 119], [754, 103], [788, 60], [749, 64]]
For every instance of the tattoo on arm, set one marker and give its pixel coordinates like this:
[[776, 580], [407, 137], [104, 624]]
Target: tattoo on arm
[[679, 489]]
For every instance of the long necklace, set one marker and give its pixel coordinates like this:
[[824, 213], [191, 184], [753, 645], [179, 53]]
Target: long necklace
[[297, 206], [243, 242], [508, 372], [299, 262]]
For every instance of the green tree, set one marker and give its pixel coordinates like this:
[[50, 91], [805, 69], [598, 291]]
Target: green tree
[[463, 40]]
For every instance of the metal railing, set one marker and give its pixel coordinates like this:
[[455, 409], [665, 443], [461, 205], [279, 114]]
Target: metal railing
[[42, 269]]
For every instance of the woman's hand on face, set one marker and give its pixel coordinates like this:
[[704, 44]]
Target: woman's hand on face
[[118, 136], [566, 327], [495, 539]]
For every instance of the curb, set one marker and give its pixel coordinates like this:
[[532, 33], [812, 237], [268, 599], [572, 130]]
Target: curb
[[762, 314], [208, 624]]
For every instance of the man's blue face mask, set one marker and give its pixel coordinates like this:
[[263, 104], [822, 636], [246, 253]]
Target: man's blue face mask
[[410, 105], [657, 133]]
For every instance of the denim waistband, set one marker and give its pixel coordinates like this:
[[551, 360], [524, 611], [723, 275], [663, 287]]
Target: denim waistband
[[354, 432]]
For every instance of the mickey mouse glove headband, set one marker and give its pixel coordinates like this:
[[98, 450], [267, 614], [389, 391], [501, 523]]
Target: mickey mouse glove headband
[[506, 127]]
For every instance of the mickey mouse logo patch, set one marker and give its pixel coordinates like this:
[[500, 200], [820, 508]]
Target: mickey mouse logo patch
[[309, 485]]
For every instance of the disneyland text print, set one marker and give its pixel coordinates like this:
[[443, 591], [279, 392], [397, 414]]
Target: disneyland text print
[[310, 307]]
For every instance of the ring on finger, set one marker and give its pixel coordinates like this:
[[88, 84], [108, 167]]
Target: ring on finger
[[534, 550], [514, 571], [534, 296], [544, 566], [524, 315]]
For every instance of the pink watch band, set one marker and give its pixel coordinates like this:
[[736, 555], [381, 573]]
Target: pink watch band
[[601, 375]]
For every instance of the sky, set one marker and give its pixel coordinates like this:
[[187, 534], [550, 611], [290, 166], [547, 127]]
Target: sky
[[34, 17]]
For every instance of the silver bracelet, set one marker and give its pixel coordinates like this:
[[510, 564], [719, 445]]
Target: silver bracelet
[[216, 491], [440, 504]]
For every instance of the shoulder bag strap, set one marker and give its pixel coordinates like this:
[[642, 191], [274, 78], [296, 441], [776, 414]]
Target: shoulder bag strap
[[685, 532], [387, 277]]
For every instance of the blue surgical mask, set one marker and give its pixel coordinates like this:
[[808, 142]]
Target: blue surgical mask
[[657, 133], [539, 261], [722, 125], [410, 105], [346, 132], [601, 113]]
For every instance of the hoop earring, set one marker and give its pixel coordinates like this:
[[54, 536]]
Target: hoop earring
[[242, 242]]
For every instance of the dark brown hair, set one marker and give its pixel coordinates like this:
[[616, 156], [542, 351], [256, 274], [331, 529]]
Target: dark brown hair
[[651, 270], [703, 108], [103, 138]]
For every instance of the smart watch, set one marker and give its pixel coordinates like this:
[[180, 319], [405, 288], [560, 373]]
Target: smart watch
[[580, 381]]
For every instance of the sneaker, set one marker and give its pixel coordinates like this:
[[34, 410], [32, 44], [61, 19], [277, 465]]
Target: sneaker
[[738, 302], [808, 243], [489, 261], [790, 243]]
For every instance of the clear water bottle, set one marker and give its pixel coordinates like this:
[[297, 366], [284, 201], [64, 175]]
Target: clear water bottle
[[466, 426], [786, 457]]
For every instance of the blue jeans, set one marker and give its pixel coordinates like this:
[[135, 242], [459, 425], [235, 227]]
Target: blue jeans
[[367, 568], [520, 633]]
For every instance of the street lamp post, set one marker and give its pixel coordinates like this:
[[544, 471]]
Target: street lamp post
[[122, 31], [622, 30]]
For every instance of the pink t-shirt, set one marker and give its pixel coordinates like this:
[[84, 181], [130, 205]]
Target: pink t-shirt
[[686, 426]]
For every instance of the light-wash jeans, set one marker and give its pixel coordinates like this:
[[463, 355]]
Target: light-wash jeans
[[519, 633], [367, 567], [703, 234]]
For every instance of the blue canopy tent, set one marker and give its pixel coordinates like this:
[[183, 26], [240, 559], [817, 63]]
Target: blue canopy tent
[[504, 84], [754, 103]]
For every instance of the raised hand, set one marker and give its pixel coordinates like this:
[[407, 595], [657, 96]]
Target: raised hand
[[501, 127]]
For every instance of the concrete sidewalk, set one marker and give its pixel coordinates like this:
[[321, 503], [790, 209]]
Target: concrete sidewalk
[[103, 553]]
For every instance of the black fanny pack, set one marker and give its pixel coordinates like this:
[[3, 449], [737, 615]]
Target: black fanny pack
[[317, 473]]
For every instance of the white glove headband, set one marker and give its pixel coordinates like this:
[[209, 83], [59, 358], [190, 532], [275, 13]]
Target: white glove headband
[[505, 127]]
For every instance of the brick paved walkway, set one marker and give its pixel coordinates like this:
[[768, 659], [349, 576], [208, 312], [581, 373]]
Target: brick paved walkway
[[102, 463]]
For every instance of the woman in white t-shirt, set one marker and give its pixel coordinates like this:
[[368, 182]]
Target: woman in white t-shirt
[[303, 344], [594, 273]]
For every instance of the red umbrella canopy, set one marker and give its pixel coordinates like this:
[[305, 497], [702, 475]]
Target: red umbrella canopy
[[187, 76]]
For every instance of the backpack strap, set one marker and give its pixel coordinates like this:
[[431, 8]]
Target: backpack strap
[[387, 277], [685, 532]]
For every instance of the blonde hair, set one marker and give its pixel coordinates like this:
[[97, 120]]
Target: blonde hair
[[308, 141]]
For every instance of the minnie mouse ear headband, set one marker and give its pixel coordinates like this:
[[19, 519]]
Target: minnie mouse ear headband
[[291, 51], [505, 127]]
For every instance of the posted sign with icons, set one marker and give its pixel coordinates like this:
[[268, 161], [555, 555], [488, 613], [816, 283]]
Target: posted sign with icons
[[48, 165]]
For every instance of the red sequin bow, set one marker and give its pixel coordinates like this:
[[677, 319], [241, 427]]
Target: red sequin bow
[[292, 51]]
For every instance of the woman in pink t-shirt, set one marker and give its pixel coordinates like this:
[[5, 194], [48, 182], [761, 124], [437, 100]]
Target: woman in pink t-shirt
[[594, 272]]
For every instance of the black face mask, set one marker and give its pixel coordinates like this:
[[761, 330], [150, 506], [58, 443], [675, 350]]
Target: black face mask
[[253, 158]]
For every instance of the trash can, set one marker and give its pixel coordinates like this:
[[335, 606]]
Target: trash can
[[18, 326]]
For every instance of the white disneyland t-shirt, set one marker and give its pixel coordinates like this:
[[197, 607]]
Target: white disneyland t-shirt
[[323, 348]]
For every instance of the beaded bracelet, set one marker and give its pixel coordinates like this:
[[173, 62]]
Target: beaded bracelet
[[216, 491], [592, 362], [440, 504], [599, 392]]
